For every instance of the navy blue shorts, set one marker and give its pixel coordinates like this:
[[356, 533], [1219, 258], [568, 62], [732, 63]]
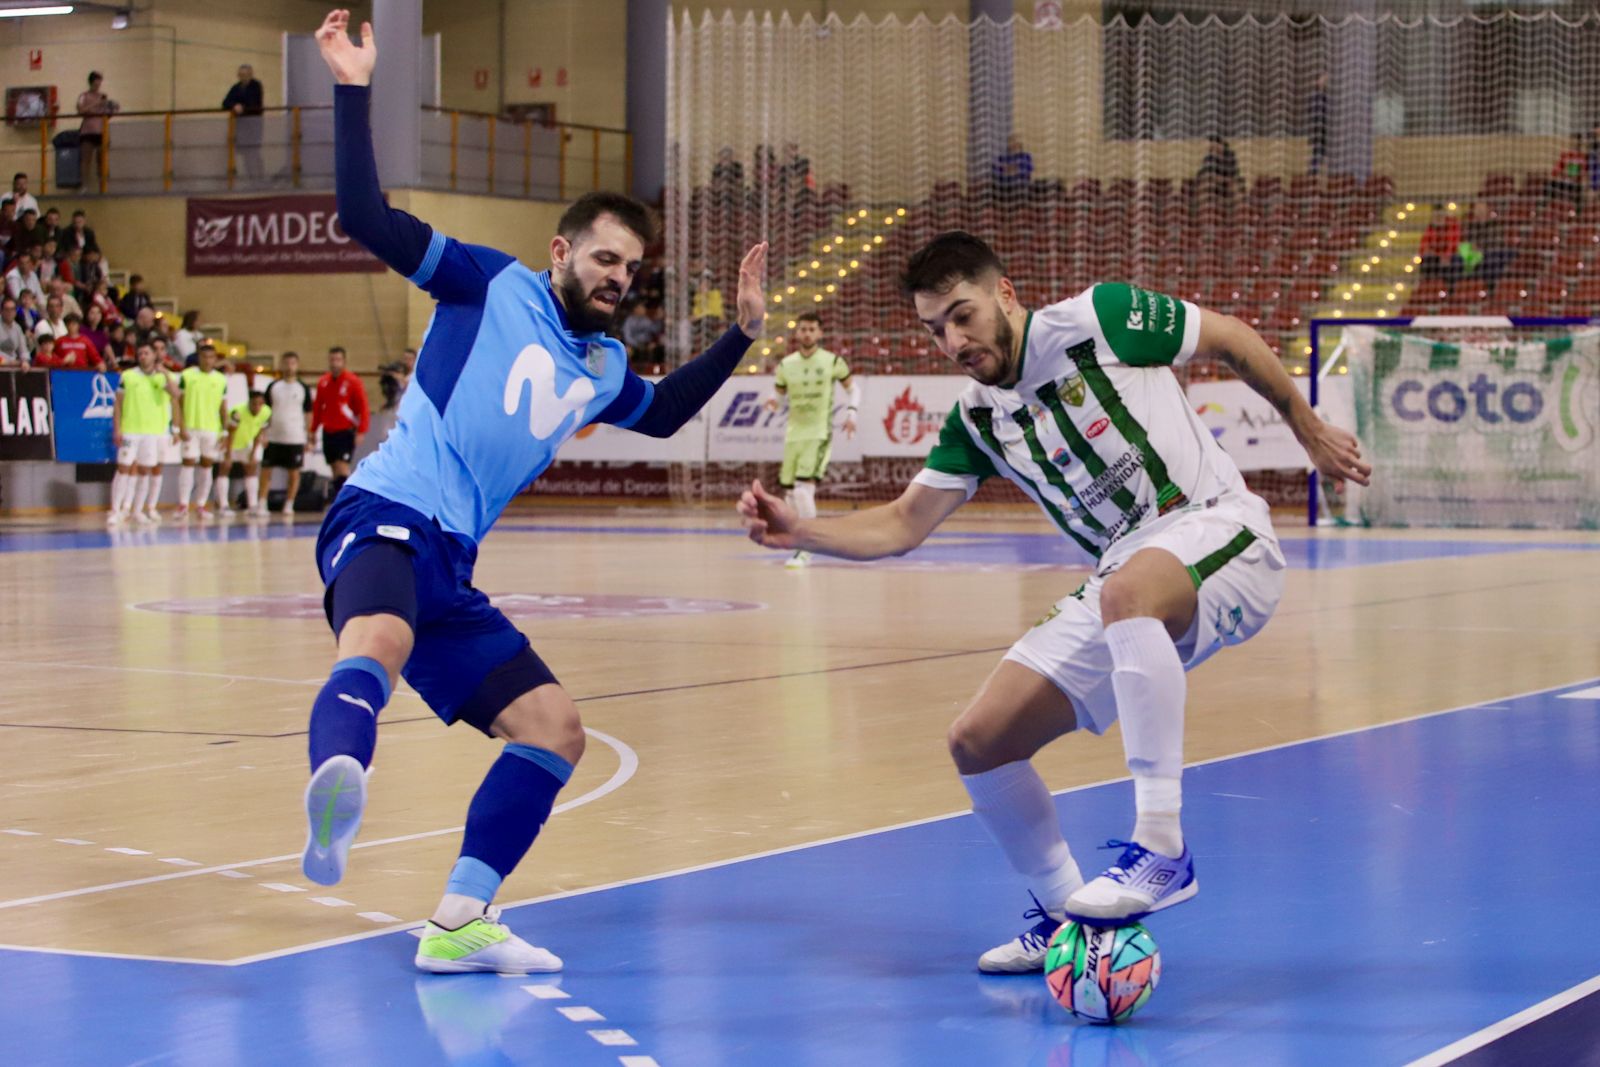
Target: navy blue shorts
[[469, 662]]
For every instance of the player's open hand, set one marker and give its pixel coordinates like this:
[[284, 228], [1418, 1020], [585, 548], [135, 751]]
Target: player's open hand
[[351, 64], [768, 520], [1336, 453], [849, 426], [752, 302]]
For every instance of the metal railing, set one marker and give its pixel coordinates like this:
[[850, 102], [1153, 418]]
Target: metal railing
[[210, 151]]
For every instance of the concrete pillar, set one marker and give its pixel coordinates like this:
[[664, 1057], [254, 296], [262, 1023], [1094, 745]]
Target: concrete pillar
[[990, 65], [647, 95], [397, 93]]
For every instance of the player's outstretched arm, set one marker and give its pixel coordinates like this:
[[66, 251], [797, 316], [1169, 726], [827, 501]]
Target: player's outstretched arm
[[395, 237], [676, 398], [1333, 451], [887, 530]]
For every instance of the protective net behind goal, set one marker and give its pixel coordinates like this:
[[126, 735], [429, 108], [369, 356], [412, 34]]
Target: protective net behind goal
[[1489, 424]]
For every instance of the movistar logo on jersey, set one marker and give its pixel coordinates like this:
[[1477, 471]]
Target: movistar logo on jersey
[[548, 411]]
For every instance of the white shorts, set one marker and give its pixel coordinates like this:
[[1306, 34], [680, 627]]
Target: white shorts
[[141, 449], [1238, 573], [203, 444], [246, 456]]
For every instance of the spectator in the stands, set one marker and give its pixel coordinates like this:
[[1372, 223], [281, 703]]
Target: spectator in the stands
[[48, 228], [59, 287], [118, 352], [145, 329], [94, 326], [1483, 255], [19, 197], [164, 353], [642, 335], [1219, 170], [1012, 171], [186, 341], [22, 237], [48, 267], [53, 322], [8, 222], [245, 100], [74, 351], [1317, 123], [1440, 241], [24, 276], [94, 106], [727, 179], [44, 351], [28, 312], [79, 234], [14, 347], [795, 179], [68, 264], [1567, 177], [92, 276], [135, 301], [100, 297]]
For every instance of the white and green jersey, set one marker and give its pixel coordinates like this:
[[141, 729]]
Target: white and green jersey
[[1097, 430], [808, 383]]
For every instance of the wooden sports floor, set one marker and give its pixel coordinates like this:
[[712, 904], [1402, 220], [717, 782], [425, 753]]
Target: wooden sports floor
[[154, 690]]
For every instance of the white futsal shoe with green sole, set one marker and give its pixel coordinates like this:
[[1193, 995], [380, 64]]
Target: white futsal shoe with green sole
[[484, 944]]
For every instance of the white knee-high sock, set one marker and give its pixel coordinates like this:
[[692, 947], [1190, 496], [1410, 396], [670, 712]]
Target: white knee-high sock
[[185, 485], [251, 490], [222, 493], [1147, 677], [141, 491], [202, 495], [155, 489], [805, 500], [121, 491], [1015, 807]]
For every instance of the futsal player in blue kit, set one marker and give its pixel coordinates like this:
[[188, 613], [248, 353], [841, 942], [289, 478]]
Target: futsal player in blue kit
[[513, 364]]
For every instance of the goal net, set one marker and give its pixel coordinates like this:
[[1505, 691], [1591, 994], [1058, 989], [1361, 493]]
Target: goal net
[[1487, 422], [1276, 168]]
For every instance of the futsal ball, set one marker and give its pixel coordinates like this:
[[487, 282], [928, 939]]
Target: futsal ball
[[1102, 974]]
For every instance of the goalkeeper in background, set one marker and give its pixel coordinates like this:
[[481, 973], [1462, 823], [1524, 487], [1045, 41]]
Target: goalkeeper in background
[[806, 377]]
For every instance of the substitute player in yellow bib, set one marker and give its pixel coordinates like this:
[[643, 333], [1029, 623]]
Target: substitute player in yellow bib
[[807, 377], [1078, 406], [142, 418], [205, 408], [245, 423]]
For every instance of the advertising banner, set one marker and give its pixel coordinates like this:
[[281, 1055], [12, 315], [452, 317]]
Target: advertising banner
[[272, 235], [25, 415]]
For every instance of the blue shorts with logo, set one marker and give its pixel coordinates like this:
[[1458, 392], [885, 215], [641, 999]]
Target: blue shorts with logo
[[380, 557]]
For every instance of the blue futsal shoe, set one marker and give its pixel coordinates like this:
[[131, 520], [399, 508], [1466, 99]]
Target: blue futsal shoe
[[1140, 883], [335, 798]]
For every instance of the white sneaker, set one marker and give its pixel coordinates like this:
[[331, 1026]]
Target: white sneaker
[[1139, 883], [206, 514], [798, 560], [484, 944], [261, 510], [181, 511], [153, 515], [336, 796], [116, 518], [1025, 952], [144, 518]]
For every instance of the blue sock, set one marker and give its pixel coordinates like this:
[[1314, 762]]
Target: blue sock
[[506, 815], [344, 720]]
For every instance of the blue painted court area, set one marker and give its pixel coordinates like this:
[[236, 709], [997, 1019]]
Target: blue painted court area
[[1366, 899]]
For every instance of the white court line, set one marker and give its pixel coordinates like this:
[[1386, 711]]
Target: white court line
[[1505, 1026], [111, 955], [903, 825], [627, 766]]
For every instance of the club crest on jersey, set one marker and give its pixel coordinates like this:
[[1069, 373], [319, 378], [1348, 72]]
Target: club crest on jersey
[[595, 359], [1072, 387], [1062, 458]]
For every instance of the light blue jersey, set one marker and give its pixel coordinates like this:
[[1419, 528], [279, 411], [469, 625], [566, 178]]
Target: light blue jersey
[[500, 383]]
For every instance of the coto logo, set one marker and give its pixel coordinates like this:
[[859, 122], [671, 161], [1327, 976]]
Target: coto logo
[[1479, 400], [1097, 428]]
